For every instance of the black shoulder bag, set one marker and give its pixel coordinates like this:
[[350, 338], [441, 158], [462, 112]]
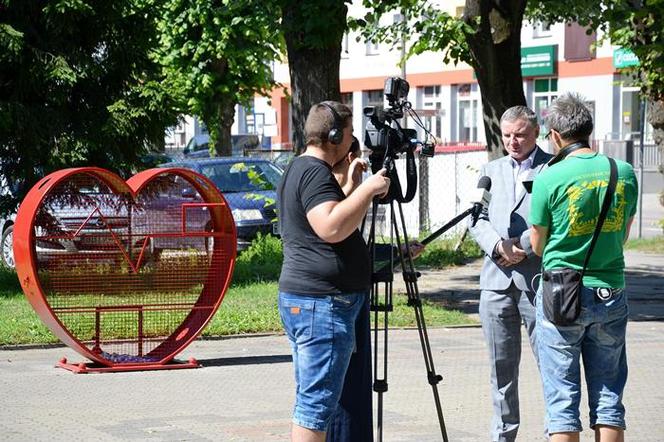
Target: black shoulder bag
[[561, 288]]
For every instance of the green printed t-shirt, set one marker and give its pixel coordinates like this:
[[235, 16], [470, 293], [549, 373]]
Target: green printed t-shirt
[[567, 199]]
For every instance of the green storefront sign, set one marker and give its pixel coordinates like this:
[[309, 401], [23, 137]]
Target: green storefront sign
[[623, 58], [538, 61]]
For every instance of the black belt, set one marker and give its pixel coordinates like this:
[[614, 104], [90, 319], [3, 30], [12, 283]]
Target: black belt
[[603, 294]]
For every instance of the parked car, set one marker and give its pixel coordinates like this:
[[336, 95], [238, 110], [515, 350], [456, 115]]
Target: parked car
[[199, 145], [6, 248], [249, 185], [7, 228], [284, 158], [63, 215]]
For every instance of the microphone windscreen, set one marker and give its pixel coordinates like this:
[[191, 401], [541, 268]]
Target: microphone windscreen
[[484, 183]]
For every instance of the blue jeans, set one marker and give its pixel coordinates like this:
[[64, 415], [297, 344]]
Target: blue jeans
[[321, 331], [598, 337]]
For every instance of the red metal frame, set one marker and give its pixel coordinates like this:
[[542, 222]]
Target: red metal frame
[[86, 367], [214, 280]]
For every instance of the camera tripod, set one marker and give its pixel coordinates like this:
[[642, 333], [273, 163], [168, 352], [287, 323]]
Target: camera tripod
[[381, 306]]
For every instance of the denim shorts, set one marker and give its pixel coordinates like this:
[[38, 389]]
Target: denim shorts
[[321, 331], [598, 338]]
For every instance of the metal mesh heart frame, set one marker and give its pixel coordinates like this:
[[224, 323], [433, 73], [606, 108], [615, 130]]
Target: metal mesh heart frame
[[125, 272]]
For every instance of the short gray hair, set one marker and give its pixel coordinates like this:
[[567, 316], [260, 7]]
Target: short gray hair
[[520, 113], [570, 116]]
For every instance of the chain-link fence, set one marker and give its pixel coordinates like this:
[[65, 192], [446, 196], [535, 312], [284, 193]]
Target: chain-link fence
[[445, 186]]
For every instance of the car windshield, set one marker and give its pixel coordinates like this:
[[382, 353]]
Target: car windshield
[[243, 177]]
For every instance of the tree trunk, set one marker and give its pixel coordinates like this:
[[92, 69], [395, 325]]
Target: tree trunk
[[314, 68], [224, 144], [496, 58], [219, 127]]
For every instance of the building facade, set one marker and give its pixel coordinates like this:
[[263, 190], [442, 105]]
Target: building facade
[[555, 58]]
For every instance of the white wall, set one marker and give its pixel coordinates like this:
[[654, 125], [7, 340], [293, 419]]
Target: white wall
[[598, 89]]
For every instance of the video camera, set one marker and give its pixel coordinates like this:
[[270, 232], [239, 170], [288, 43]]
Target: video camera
[[387, 139], [387, 142]]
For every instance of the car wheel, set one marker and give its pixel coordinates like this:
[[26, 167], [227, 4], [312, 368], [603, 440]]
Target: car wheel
[[7, 248]]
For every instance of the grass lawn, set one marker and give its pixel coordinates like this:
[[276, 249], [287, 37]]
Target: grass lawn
[[648, 245], [249, 306], [246, 308]]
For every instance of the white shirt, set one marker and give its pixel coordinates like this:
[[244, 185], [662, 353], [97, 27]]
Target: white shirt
[[521, 171]]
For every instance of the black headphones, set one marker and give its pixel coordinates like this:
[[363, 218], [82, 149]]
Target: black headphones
[[336, 134]]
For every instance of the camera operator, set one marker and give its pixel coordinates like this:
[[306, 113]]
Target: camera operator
[[325, 277], [348, 171], [565, 211]]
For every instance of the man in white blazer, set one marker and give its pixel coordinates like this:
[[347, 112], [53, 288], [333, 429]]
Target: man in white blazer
[[506, 282]]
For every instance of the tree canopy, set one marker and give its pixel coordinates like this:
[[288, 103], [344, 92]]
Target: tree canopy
[[634, 24], [218, 54], [77, 87], [487, 37]]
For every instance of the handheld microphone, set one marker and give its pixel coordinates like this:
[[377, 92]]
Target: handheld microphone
[[481, 198]]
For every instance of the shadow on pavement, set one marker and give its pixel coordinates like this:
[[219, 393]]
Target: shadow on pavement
[[645, 291], [458, 289], [247, 360], [466, 301]]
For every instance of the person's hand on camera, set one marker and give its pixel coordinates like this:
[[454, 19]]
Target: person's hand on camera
[[378, 183], [357, 167], [509, 253]]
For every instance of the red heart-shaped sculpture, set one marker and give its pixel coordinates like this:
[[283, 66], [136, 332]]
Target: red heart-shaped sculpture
[[125, 272]]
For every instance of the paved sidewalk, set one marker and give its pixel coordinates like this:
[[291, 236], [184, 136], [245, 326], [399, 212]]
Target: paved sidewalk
[[458, 287], [244, 392]]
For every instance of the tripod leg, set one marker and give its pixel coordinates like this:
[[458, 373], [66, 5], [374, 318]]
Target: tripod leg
[[381, 306], [381, 315], [410, 279]]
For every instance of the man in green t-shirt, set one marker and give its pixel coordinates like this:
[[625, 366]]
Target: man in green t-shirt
[[565, 205]]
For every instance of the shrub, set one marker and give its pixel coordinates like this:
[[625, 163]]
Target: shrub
[[260, 262], [442, 253]]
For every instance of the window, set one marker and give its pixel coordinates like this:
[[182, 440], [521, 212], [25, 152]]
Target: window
[[433, 104], [542, 29], [464, 90], [579, 43], [344, 46], [468, 120], [372, 48], [347, 99], [467, 108], [431, 91], [546, 90], [375, 97]]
